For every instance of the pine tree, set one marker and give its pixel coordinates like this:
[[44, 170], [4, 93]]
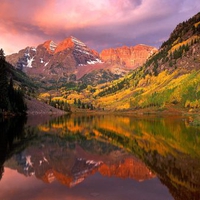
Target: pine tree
[[83, 106], [3, 82], [79, 103], [67, 107], [11, 96]]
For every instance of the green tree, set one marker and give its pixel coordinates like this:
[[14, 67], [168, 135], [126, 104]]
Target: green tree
[[3, 82], [11, 96], [83, 106], [67, 107], [91, 107], [88, 106], [79, 103], [20, 105]]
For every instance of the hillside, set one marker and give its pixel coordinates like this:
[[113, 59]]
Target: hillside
[[169, 78], [20, 93], [53, 65], [179, 51], [37, 107], [14, 84]]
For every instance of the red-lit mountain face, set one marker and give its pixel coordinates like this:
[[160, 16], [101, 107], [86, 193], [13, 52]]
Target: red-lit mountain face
[[50, 61], [71, 59], [130, 57], [72, 166]]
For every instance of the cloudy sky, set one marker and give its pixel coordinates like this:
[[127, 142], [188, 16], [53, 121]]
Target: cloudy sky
[[100, 24]]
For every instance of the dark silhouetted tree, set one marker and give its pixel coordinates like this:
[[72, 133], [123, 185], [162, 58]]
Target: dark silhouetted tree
[[3, 82]]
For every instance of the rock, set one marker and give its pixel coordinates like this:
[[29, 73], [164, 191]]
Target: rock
[[131, 57]]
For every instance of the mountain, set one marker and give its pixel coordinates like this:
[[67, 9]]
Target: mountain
[[168, 80], [70, 60], [54, 62], [13, 85], [69, 53], [180, 50], [72, 164], [130, 57], [68, 148]]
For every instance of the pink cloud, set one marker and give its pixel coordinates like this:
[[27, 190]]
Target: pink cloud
[[110, 22]]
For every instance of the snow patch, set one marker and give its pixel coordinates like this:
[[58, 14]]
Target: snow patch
[[33, 49], [45, 160], [99, 61], [91, 62], [85, 52], [92, 162], [29, 62], [80, 65], [78, 42], [52, 46], [27, 54], [46, 64], [28, 161]]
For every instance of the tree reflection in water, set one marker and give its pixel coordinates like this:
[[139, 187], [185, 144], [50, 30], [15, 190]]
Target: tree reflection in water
[[13, 138], [69, 148]]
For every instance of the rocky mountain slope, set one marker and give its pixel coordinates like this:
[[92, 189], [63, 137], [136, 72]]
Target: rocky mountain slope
[[70, 60], [180, 51], [52, 62], [36, 107], [130, 57], [70, 163], [170, 78]]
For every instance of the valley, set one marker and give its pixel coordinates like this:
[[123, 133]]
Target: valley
[[124, 79], [100, 100]]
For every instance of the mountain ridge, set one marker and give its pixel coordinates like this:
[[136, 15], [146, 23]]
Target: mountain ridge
[[163, 82], [52, 63], [131, 57], [168, 79]]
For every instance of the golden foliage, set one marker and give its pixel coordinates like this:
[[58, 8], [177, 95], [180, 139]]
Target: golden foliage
[[176, 45]]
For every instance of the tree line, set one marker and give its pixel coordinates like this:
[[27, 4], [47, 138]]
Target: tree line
[[62, 105], [79, 104], [11, 99]]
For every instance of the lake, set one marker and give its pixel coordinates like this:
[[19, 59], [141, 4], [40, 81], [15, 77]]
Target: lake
[[102, 157]]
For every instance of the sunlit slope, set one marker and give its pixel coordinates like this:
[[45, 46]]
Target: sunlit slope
[[168, 81], [169, 135], [168, 146], [157, 91], [169, 78]]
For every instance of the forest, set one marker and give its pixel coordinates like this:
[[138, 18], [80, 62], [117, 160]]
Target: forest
[[11, 98]]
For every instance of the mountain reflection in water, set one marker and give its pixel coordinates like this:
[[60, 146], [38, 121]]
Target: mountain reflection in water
[[69, 149]]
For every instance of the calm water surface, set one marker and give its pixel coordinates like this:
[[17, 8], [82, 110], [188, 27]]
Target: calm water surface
[[103, 157]]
